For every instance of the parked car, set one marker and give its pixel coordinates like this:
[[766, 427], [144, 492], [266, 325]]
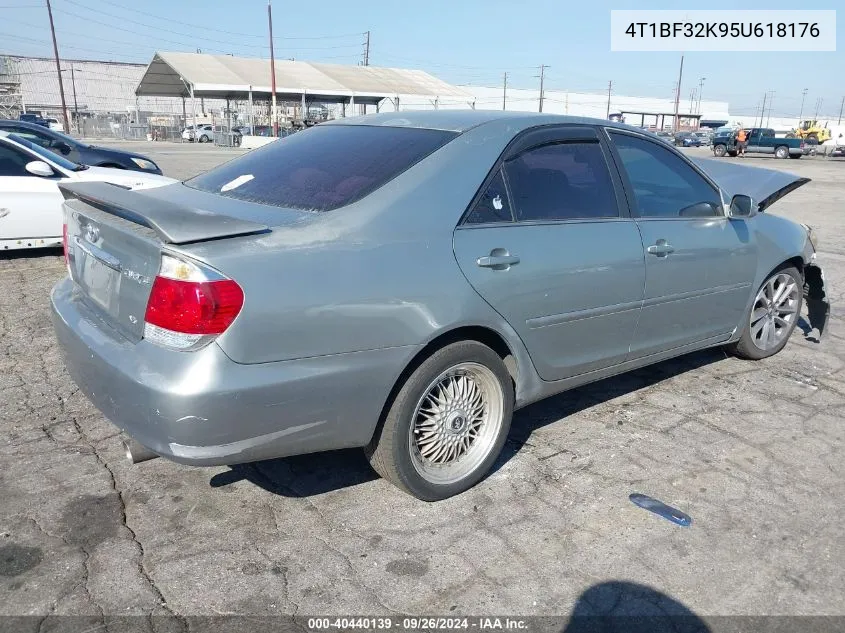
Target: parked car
[[759, 141], [30, 202], [77, 151], [402, 284], [54, 124], [666, 137], [704, 136], [687, 139], [37, 119], [204, 133]]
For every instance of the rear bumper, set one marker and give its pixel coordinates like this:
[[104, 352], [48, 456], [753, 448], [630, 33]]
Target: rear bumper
[[202, 408]]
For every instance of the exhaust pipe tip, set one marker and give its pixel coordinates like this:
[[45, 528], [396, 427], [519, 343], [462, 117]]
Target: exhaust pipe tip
[[137, 453]]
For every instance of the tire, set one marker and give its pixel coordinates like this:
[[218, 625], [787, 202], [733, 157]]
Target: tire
[[395, 453], [203, 139], [720, 150], [813, 138], [753, 345], [782, 151]]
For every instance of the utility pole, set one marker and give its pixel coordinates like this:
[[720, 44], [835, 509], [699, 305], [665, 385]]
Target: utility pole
[[274, 115], [505, 93], [609, 89], [801, 112], [542, 78], [700, 90], [678, 95], [763, 111], [818, 107], [75, 104], [771, 100], [692, 100], [367, 50], [841, 106], [58, 69]]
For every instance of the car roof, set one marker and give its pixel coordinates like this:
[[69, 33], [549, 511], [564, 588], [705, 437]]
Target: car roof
[[463, 120], [24, 124]]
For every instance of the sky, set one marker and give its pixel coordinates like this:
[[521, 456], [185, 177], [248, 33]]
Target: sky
[[460, 41]]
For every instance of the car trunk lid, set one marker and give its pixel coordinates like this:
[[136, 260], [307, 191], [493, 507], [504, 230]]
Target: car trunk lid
[[115, 238]]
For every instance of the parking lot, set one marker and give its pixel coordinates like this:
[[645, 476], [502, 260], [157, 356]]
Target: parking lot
[[753, 452]]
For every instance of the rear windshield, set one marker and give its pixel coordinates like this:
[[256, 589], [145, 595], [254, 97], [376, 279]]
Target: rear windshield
[[324, 167]]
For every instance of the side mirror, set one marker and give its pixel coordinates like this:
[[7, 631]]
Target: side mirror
[[40, 168], [743, 206]]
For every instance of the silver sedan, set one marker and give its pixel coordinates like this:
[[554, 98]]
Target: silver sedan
[[403, 282]]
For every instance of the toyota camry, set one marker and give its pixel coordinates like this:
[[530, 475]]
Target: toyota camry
[[403, 282]]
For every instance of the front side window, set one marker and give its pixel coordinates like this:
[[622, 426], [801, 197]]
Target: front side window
[[323, 168], [561, 181], [12, 161], [665, 186], [33, 137], [493, 206]]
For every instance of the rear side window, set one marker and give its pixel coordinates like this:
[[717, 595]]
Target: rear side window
[[561, 181], [322, 168]]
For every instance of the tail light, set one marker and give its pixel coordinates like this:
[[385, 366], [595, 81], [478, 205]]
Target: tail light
[[190, 305]]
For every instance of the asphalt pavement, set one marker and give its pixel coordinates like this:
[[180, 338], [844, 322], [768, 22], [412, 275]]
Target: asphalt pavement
[[751, 451]]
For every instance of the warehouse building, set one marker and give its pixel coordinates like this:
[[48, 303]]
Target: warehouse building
[[117, 98]]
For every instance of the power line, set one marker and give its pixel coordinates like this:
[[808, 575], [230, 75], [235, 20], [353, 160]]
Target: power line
[[226, 31], [193, 36]]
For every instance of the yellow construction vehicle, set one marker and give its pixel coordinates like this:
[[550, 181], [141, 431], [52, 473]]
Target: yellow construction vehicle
[[811, 130]]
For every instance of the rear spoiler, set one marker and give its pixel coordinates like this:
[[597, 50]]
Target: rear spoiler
[[173, 223]]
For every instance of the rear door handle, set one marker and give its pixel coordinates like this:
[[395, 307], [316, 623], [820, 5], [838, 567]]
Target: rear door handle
[[498, 259], [661, 248]]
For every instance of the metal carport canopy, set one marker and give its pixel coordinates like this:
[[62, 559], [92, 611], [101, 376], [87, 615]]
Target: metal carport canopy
[[229, 77]]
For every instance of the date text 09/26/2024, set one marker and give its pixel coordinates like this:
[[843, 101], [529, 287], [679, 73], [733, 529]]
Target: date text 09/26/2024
[[418, 623]]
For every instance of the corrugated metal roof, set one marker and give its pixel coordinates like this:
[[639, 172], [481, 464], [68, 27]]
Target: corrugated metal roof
[[173, 75]]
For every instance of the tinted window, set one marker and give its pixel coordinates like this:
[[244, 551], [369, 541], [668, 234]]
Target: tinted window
[[46, 153], [12, 161], [664, 185], [324, 167], [30, 135], [561, 181], [493, 205]]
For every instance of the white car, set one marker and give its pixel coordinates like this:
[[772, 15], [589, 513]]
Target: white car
[[30, 201], [54, 125], [204, 133]]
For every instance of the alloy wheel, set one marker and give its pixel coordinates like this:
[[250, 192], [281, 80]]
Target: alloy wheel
[[775, 311]]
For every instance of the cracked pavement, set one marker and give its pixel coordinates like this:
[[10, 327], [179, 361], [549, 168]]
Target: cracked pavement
[[753, 452]]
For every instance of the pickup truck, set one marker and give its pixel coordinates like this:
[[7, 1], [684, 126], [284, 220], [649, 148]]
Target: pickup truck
[[760, 140]]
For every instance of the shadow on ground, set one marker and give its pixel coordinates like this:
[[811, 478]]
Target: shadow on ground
[[31, 253], [318, 473], [625, 607]]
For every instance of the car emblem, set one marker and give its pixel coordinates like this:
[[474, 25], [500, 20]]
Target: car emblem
[[92, 233]]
